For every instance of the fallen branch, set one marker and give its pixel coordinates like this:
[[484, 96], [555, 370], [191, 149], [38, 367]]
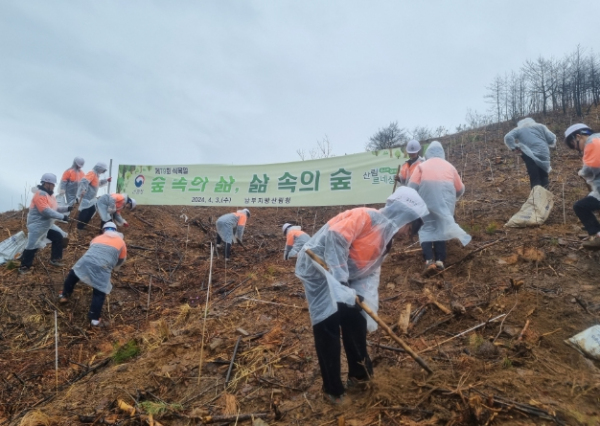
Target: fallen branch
[[273, 303], [433, 300], [234, 418], [462, 333], [237, 345]]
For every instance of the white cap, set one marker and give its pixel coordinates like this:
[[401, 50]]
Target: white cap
[[109, 225], [413, 146], [410, 198], [575, 128], [49, 178], [247, 212], [79, 161], [132, 202], [285, 227]]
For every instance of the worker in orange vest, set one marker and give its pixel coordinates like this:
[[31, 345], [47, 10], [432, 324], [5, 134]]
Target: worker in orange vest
[[70, 181], [87, 192], [107, 252], [353, 245], [295, 239], [110, 207], [230, 229], [413, 148], [43, 212]]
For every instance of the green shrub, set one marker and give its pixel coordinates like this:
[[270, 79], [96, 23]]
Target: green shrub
[[125, 352]]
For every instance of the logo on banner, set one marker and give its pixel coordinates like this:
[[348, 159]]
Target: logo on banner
[[139, 180]]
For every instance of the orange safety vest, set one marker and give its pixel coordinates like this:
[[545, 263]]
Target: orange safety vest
[[72, 175], [42, 202], [92, 178], [292, 234], [116, 243], [407, 170], [120, 201], [591, 153], [241, 218], [437, 169], [366, 244]]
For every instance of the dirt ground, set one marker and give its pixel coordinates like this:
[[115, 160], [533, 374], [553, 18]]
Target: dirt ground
[[497, 373]]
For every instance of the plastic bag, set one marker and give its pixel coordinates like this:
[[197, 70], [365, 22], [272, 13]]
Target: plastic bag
[[12, 247], [536, 209], [587, 342]]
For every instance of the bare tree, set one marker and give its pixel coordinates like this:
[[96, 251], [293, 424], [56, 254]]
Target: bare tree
[[440, 131], [421, 133], [322, 150], [494, 96], [388, 137]]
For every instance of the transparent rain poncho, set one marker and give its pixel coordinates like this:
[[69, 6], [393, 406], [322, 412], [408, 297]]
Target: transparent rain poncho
[[591, 164], [69, 183], [439, 185], [88, 187], [106, 252], [534, 140], [43, 212], [231, 225], [109, 210], [297, 238], [353, 245]]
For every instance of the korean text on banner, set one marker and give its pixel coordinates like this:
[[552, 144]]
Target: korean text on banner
[[365, 178]]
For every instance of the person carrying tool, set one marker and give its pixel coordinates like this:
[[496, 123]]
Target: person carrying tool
[[353, 245], [582, 138], [110, 206], [70, 181], [439, 184], [107, 252], [86, 194], [532, 140], [43, 212], [230, 229], [413, 147], [295, 239]]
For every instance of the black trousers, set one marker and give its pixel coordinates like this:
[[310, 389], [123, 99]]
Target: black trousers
[[584, 209], [435, 250], [57, 249], [537, 176], [85, 216], [227, 246], [327, 343], [97, 296]]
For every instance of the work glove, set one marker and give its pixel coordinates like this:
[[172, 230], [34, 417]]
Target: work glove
[[66, 218], [126, 225], [356, 305], [109, 179]]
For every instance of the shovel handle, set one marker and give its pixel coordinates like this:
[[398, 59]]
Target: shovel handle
[[390, 333]]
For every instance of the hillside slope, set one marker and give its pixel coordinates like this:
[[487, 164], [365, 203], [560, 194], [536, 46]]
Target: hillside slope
[[157, 305]]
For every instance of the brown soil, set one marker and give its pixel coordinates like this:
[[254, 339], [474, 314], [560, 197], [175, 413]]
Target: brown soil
[[536, 275]]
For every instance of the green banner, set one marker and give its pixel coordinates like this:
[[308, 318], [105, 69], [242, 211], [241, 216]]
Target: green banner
[[364, 178]]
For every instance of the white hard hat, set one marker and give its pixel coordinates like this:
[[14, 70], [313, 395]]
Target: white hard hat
[[101, 166], [413, 146], [285, 227], [132, 202], [49, 178], [247, 212], [79, 161], [575, 128], [109, 225]]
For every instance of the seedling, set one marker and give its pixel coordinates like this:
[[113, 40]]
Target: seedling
[[125, 352]]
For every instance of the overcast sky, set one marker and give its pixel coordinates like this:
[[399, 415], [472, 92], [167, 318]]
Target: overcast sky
[[247, 82]]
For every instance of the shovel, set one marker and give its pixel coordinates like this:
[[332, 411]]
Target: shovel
[[378, 320]]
